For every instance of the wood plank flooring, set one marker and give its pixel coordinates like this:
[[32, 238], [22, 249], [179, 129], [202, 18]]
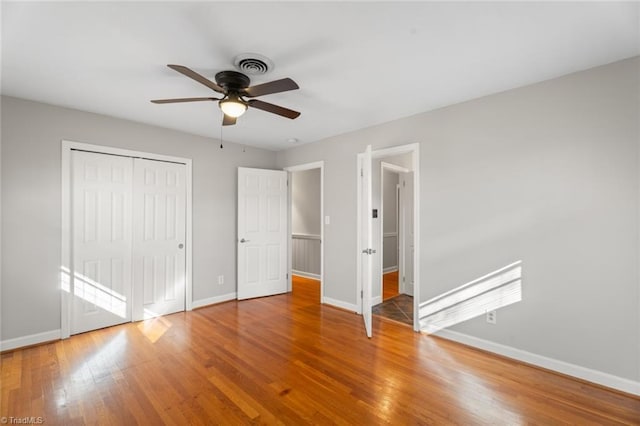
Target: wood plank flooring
[[390, 285], [288, 360]]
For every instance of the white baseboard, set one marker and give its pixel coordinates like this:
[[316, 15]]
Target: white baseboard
[[340, 304], [32, 339], [594, 376], [389, 269], [376, 300], [213, 300], [305, 274]]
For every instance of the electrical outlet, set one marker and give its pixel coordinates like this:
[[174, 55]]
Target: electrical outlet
[[220, 279], [491, 317]]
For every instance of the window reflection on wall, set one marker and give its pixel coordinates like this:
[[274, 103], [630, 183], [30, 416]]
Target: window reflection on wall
[[487, 293]]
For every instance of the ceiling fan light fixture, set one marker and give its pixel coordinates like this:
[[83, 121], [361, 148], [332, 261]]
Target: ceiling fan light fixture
[[232, 106]]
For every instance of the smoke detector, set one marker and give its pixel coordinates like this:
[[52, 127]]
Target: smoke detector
[[253, 63]]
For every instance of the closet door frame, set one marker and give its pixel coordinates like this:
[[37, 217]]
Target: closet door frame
[[66, 226]]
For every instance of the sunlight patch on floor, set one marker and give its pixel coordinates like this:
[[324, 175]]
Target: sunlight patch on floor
[[153, 329]]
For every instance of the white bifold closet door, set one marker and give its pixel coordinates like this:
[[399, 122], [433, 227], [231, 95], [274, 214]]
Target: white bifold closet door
[[159, 213], [101, 226], [128, 222]]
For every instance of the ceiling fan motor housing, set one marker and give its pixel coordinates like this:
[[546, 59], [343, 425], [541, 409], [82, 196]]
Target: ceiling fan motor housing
[[232, 81]]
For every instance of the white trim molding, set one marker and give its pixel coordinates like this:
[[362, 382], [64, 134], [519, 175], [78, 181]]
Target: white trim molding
[[393, 167], [32, 339], [584, 373], [306, 274], [304, 167], [305, 236], [340, 304], [201, 303]]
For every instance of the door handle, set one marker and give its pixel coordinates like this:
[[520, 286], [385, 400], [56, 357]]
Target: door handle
[[244, 241]]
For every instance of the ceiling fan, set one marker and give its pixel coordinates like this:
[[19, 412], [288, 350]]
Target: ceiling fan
[[234, 86]]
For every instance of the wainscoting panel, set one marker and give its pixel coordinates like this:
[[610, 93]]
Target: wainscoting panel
[[390, 251], [306, 254]]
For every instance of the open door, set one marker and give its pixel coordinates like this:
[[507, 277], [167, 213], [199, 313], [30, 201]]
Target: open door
[[366, 236], [406, 234], [262, 232]]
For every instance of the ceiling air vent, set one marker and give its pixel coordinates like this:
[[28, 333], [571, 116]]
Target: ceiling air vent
[[253, 64]]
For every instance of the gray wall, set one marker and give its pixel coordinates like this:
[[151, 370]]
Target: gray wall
[[305, 193], [389, 219], [31, 135], [546, 174]]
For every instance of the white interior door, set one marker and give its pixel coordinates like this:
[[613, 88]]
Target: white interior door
[[159, 261], [101, 237], [407, 279], [262, 232], [366, 235]]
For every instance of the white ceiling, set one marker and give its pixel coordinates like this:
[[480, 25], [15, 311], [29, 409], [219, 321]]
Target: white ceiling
[[358, 64]]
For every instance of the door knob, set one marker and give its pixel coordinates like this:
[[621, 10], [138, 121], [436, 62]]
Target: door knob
[[180, 246]]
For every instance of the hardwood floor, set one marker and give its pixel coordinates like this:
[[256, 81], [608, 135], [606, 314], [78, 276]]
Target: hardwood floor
[[390, 285], [287, 359]]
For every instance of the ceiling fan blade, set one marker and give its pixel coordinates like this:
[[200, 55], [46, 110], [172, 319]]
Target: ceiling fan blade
[[266, 106], [170, 101], [197, 77], [228, 121], [276, 86]]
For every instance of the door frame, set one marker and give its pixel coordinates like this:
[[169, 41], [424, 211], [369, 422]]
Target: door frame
[[302, 168], [66, 260], [397, 170], [414, 149]]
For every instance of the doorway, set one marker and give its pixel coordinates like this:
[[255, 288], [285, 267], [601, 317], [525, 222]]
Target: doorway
[[392, 176], [126, 236], [397, 254], [395, 199], [306, 231]]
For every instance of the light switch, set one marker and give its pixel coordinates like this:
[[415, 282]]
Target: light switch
[[327, 220]]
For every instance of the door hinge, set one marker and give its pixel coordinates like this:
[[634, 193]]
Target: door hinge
[[361, 294], [402, 279], [288, 275], [404, 183], [361, 173]]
